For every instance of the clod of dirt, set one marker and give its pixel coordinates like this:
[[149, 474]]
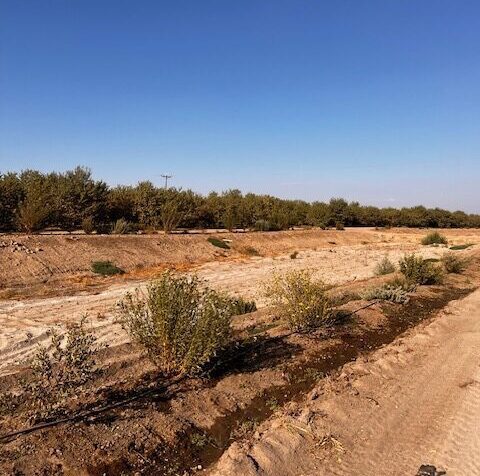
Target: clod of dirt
[[429, 470]]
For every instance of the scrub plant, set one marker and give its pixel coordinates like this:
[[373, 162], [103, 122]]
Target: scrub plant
[[453, 264], [384, 267], [300, 299], [179, 322], [434, 238], [420, 271]]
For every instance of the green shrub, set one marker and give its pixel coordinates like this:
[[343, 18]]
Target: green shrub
[[384, 267], [180, 323], [60, 373], [120, 227], [434, 238], [300, 299], [418, 271], [294, 255], [453, 264], [241, 306], [218, 243], [106, 268], [395, 294], [339, 226], [88, 225], [461, 247]]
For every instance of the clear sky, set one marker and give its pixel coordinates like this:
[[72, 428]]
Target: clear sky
[[377, 101]]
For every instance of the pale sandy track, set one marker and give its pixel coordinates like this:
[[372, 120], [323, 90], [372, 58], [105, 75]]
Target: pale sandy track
[[415, 401], [25, 323]]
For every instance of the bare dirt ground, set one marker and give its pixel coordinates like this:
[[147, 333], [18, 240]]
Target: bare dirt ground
[[413, 402], [277, 403], [25, 320]]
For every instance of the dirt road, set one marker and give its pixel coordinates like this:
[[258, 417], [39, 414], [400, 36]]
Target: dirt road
[[413, 402]]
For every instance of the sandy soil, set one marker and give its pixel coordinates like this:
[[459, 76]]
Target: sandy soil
[[413, 402], [25, 323]]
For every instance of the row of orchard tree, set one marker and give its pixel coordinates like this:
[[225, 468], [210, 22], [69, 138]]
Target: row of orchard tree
[[32, 201]]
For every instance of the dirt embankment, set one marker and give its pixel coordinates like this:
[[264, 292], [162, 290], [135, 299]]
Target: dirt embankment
[[58, 264]]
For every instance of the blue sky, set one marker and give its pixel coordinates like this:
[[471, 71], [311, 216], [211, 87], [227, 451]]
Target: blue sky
[[377, 101]]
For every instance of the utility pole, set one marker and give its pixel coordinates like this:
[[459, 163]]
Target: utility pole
[[166, 177]]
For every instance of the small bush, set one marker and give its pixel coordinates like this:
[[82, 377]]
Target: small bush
[[250, 251], [434, 238], [106, 268], [300, 299], [461, 247], [384, 267], [418, 271], [241, 306], [294, 255], [395, 294], [453, 264], [218, 243], [180, 323], [88, 225], [60, 373], [339, 226], [120, 227], [322, 226]]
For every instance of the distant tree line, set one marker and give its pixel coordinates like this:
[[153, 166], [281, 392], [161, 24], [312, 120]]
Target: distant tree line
[[31, 201]]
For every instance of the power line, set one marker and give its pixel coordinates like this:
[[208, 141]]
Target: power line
[[166, 177]]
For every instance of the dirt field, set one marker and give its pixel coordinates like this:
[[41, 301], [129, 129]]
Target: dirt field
[[347, 399], [336, 257]]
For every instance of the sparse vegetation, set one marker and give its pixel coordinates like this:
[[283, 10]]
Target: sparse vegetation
[[339, 226], [62, 371], [454, 264], [106, 268], [419, 271], [384, 267], [434, 238], [179, 322], [250, 251], [301, 300], [388, 292], [218, 243], [461, 247], [245, 428], [241, 306]]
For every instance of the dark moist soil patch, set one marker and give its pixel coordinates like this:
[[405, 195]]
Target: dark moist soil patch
[[124, 440]]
